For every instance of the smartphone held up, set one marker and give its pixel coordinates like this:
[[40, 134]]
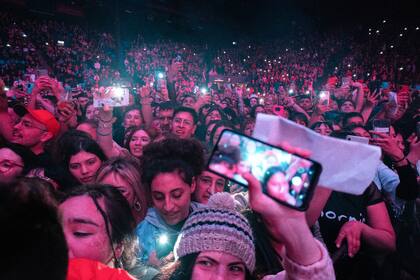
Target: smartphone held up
[[288, 178], [112, 97]]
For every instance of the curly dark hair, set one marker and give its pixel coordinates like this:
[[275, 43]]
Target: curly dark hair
[[183, 155]]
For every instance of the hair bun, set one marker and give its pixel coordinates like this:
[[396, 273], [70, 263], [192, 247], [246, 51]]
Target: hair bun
[[221, 200]]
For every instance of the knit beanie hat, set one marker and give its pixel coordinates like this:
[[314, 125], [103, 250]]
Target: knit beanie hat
[[217, 227]]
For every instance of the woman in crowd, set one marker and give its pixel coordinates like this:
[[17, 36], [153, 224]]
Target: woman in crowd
[[98, 226], [82, 158], [123, 174], [137, 138], [217, 242], [276, 184], [169, 168], [323, 128]]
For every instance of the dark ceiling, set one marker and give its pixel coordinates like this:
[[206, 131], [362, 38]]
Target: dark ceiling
[[221, 18]]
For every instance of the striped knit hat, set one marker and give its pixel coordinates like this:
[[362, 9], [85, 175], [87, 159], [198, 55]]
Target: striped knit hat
[[217, 227]]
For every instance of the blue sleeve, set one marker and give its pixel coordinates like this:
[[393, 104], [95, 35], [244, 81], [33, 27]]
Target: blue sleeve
[[146, 234]]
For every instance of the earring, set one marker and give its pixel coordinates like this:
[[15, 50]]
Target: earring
[[137, 206]]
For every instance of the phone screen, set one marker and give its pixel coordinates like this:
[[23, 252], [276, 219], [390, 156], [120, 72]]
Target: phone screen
[[287, 178], [324, 97], [113, 97], [381, 126]]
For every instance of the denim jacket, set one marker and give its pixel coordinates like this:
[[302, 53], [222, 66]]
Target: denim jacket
[[151, 229]]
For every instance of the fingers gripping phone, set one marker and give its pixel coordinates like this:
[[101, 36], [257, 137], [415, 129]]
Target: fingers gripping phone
[[288, 178]]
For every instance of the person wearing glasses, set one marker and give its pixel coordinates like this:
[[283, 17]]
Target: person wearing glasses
[[15, 161], [184, 122], [34, 129]]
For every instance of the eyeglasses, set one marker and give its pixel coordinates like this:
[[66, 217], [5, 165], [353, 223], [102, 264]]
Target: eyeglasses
[[29, 125], [6, 165]]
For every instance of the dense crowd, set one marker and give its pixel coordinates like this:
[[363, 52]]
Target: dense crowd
[[103, 168]]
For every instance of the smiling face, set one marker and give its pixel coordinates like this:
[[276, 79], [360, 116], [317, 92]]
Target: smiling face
[[139, 139], [171, 197], [83, 166], [84, 229], [183, 125], [218, 265]]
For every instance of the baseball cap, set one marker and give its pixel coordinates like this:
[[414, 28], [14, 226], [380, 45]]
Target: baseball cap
[[42, 116]]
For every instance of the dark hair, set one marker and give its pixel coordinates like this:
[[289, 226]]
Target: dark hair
[[271, 171], [153, 133], [34, 244], [318, 124], [119, 221], [191, 111], [253, 109], [299, 116], [92, 123], [78, 144], [167, 105], [27, 156], [350, 115], [215, 108], [184, 156], [346, 100], [182, 269], [218, 125], [267, 260]]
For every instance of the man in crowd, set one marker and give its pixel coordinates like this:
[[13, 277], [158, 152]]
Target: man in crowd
[[184, 123]]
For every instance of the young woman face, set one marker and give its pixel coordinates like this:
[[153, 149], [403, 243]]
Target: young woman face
[[323, 129], [83, 166], [90, 112], [218, 265], [132, 118], [171, 197], [84, 229], [139, 139], [116, 180]]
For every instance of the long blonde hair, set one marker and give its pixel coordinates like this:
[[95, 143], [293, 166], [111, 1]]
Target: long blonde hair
[[129, 169]]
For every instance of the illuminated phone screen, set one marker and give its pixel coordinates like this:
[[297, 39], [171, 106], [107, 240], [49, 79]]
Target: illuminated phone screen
[[285, 177]]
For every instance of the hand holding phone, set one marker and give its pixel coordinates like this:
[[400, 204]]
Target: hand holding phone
[[381, 126], [287, 178]]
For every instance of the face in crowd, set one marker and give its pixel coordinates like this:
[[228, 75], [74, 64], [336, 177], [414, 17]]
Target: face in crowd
[[171, 196], [183, 125], [165, 119], [84, 229], [218, 265], [83, 166], [30, 133], [347, 107], [11, 165], [139, 139], [208, 184], [132, 118]]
